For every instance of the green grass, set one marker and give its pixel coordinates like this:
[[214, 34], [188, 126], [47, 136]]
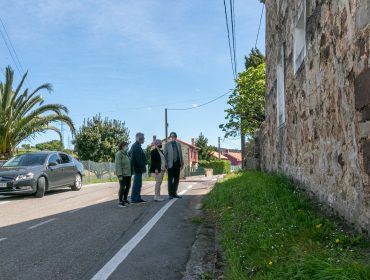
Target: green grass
[[270, 230], [196, 220]]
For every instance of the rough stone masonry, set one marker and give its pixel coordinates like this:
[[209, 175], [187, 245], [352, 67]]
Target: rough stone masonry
[[320, 135]]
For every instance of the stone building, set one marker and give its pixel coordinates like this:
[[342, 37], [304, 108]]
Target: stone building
[[317, 127]]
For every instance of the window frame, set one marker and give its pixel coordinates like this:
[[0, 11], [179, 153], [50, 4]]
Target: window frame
[[280, 87], [58, 160], [299, 34], [61, 155]]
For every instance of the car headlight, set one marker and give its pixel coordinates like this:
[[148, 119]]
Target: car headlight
[[24, 176]]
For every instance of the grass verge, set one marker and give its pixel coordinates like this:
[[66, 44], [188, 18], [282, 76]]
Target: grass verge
[[270, 230]]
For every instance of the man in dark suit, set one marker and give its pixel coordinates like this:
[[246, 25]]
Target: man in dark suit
[[139, 164], [175, 162]]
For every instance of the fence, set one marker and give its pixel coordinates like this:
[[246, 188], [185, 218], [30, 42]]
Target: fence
[[235, 168], [101, 171], [194, 171]]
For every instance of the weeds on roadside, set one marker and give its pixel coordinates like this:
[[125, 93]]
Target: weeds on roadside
[[270, 230]]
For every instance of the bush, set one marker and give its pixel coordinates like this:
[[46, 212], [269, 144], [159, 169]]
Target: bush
[[218, 166]]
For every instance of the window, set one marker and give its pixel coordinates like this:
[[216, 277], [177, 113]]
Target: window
[[26, 160], [54, 158], [280, 77], [65, 158], [299, 35], [363, 14]]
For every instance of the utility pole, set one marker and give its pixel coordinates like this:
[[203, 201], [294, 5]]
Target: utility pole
[[242, 140], [219, 148], [166, 123]]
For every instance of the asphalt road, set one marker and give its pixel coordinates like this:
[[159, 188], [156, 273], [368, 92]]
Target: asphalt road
[[85, 235]]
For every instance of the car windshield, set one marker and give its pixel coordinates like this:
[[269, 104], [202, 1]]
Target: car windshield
[[26, 160]]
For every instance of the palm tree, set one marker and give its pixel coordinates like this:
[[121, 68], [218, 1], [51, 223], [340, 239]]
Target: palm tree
[[24, 116]]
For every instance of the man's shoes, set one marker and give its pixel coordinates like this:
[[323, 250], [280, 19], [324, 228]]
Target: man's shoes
[[177, 196], [126, 201], [121, 205], [158, 199], [141, 201], [170, 197]]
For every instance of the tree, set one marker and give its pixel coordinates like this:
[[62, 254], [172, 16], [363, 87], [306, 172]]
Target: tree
[[54, 145], [247, 103], [26, 146], [205, 151], [97, 139], [24, 115], [254, 59]]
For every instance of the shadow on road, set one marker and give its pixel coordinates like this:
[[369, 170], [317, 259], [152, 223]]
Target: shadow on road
[[75, 243]]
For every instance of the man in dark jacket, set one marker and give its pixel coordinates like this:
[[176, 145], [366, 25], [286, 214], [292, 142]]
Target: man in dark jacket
[[175, 162], [139, 164]]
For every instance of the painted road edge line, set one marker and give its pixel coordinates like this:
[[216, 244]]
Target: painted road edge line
[[103, 199], [75, 210], [2, 239], [189, 187], [122, 254], [42, 223], [4, 202]]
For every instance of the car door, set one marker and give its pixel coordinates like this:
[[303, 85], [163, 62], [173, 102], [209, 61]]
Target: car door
[[68, 169], [54, 171]]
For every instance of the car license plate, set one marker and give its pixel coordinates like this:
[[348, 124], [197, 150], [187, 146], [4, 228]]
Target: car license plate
[[2, 185]]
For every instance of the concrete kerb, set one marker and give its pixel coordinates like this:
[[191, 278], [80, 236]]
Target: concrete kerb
[[205, 261]]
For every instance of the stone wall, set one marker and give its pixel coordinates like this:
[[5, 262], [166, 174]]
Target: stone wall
[[325, 141]]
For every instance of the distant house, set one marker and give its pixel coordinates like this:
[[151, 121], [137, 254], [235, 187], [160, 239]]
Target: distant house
[[234, 156], [189, 152], [220, 156]]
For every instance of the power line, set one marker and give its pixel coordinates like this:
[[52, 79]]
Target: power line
[[15, 57], [229, 41], [230, 143], [259, 26], [142, 107], [201, 105], [232, 17], [10, 52]]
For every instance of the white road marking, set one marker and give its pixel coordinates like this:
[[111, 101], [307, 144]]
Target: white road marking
[[189, 187], [182, 192], [42, 223], [122, 254], [75, 210], [4, 202], [103, 199], [2, 239]]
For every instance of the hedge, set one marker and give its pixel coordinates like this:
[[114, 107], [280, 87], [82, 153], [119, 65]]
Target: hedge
[[218, 166]]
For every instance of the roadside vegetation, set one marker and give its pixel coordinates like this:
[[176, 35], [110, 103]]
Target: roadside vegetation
[[271, 230], [24, 115]]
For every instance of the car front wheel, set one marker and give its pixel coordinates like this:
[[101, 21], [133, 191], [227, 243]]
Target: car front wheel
[[78, 183], [41, 183]]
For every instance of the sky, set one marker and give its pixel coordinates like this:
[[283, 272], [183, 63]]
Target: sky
[[129, 59]]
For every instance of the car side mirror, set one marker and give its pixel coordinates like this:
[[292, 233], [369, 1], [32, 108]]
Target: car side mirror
[[51, 164]]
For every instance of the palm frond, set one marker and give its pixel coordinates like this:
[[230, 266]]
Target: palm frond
[[24, 116]]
